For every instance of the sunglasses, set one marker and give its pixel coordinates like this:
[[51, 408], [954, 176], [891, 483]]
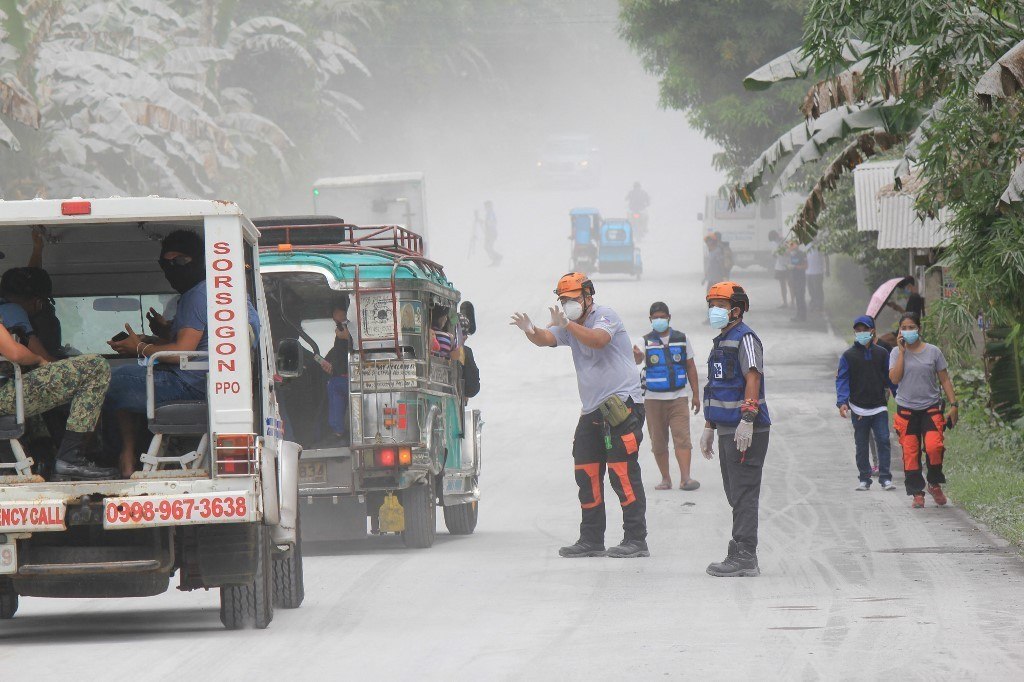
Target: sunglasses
[[177, 260]]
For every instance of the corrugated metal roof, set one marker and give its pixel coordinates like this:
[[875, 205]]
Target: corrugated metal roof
[[868, 179], [900, 227]]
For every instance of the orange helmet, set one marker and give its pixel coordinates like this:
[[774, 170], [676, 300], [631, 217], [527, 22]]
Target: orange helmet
[[731, 292], [573, 284]]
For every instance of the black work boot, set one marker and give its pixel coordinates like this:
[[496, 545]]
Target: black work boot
[[629, 549], [581, 549], [740, 562], [72, 465]]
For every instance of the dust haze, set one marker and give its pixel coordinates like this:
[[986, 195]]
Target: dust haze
[[479, 134]]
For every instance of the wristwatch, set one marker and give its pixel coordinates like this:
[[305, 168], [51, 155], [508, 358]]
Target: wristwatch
[[955, 403], [749, 416]]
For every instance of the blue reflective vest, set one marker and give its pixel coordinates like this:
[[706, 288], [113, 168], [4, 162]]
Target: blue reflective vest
[[723, 395], [665, 365]]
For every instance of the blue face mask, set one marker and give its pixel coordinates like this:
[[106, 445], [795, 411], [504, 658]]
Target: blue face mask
[[863, 338], [911, 336], [660, 325], [718, 317]]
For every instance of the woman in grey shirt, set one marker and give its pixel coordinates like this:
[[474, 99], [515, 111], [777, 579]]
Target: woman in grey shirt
[[920, 369]]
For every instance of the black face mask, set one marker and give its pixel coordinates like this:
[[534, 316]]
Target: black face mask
[[183, 277]]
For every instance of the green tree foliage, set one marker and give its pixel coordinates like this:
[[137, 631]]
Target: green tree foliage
[[165, 97], [702, 49]]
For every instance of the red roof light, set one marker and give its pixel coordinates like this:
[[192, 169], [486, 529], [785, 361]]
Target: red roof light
[[76, 208]]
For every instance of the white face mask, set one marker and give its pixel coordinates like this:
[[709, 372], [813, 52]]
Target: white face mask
[[573, 310]]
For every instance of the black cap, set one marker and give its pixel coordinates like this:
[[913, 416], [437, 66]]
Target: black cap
[[659, 307]]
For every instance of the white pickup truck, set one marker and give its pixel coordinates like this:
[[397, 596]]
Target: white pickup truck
[[215, 500]]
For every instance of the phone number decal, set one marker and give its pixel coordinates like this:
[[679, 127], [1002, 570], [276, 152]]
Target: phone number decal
[[169, 510]]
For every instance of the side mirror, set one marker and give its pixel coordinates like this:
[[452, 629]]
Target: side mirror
[[117, 304], [289, 358], [467, 310], [700, 216]]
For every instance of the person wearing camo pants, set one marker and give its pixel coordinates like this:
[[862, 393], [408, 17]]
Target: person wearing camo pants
[[80, 382]]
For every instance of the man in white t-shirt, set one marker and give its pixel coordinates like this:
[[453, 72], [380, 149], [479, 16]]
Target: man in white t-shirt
[[610, 430], [668, 368]]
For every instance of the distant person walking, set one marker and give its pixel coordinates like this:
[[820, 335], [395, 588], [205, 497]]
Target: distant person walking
[[610, 430], [919, 369], [735, 407], [727, 258], [668, 368], [491, 233], [816, 279], [781, 265], [798, 280], [714, 261], [861, 383], [915, 301]]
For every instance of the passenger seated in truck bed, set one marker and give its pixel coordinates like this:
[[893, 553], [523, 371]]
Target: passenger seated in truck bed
[[182, 261], [79, 382]]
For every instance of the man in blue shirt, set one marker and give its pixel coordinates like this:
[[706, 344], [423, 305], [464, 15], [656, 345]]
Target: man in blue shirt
[[183, 263], [861, 382]]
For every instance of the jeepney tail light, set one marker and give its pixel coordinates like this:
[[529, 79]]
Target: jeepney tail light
[[235, 454], [75, 207], [404, 456], [386, 457]]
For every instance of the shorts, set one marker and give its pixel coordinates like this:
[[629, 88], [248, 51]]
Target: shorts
[[664, 416], [782, 275]]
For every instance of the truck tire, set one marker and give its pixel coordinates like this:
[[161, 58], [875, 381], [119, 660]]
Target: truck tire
[[289, 588], [251, 605], [8, 599], [460, 519], [420, 505]]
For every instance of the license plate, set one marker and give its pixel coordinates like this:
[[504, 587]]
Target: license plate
[[32, 516], [174, 510], [453, 485], [9, 557], [312, 472]]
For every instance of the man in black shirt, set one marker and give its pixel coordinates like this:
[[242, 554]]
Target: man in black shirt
[[915, 301], [336, 367]]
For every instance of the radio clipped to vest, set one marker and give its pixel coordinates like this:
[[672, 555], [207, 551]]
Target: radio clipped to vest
[[664, 364]]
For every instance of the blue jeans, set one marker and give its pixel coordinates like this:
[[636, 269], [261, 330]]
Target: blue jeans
[[863, 428], [128, 389]]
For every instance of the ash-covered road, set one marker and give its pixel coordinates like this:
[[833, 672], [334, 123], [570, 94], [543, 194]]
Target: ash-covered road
[[853, 585]]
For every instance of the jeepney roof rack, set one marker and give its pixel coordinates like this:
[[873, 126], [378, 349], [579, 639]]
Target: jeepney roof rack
[[324, 232]]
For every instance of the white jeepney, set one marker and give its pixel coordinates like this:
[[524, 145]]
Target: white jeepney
[[216, 498]]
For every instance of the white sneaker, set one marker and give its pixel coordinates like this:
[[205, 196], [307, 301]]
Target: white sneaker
[[888, 485], [863, 485]]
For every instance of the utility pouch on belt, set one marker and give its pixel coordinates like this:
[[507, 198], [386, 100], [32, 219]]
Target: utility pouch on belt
[[614, 411]]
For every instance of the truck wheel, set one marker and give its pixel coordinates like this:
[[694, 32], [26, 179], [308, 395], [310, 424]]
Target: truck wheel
[[251, 605], [420, 514], [8, 599], [289, 588], [460, 519]]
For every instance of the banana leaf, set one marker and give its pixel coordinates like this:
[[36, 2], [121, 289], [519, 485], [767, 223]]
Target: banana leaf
[[795, 65], [1004, 77], [1015, 190]]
